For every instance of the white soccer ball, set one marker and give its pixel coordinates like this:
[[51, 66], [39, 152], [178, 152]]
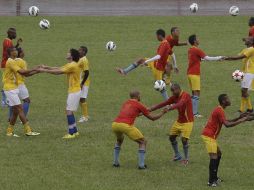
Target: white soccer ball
[[234, 11], [110, 46], [44, 24], [237, 75], [159, 85], [194, 7], [33, 11]]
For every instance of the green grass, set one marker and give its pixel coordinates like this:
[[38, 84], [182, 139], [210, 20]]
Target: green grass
[[48, 162]]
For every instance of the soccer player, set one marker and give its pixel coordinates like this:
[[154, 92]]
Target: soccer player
[[212, 131], [157, 63], [195, 55], [247, 56], [11, 91], [73, 70], [124, 125], [85, 82], [183, 126], [173, 40], [7, 43]]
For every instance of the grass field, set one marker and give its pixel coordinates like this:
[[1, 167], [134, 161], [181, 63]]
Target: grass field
[[49, 162]]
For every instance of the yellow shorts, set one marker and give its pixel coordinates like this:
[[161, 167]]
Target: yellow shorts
[[157, 74], [194, 81], [184, 129], [211, 144], [129, 130]]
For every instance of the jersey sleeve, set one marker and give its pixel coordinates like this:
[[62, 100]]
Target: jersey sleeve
[[68, 68], [143, 109], [251, 32], [14, 66], [86, 67], [165, 48], [221, 117], [200, 53], [249, 52]]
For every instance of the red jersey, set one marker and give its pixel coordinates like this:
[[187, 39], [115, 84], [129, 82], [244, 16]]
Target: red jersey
[[130, 111], [215, 122], [7, 43], [183, 104], [163, 50], [194, 56], [251, 31], [172, 42]]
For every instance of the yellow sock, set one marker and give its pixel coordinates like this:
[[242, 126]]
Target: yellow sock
[[84, 109], [167, 78], [27, 128], [10, 129], [248, 102], [243, 104]]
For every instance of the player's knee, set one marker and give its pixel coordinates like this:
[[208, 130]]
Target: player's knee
[[82, 100], [172, 138], [27, 100], [185, 141]]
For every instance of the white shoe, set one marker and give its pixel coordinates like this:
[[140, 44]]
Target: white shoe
[[12, 135], [83, 119], [32, 133], [198, 116]]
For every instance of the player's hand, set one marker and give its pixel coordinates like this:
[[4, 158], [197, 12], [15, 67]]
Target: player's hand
[[176, 70], [19, 41], [245, 114], [165, 110], [141, 61]]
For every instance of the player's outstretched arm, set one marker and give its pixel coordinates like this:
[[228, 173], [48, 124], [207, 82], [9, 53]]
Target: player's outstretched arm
[[27, 73], [233, 58], [234, 122], [157, 116], [158, 106], [55, 71], [216, 58]]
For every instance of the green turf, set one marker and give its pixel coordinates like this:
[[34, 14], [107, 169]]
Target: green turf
[[48, 162]]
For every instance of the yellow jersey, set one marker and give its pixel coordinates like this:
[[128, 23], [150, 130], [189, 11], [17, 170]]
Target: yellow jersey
[[248, 62], [84, 63], [10, 75], [22, 64], [73, 71]]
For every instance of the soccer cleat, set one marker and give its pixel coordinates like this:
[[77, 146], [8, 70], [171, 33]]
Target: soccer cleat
[[76, 134], [177, 158], [11, 135], [31, 133], [120, 71], [219, 180], [143, 167], [212, 184], [83, 119], [116, 165], [198, 115], [69, 136], [185, 162], [249, 110]]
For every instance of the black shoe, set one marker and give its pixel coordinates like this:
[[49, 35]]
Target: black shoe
[[142, 168], [249, 111], [116, 165], [212, 184]]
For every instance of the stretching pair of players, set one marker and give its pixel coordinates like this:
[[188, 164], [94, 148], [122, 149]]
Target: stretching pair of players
[[124, 123]]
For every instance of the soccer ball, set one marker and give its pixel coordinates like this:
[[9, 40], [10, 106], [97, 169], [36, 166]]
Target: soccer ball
[[237, 75], [110, 46], [234, 11], [159, 85], [44, 24], [33, 11], [194, 7]]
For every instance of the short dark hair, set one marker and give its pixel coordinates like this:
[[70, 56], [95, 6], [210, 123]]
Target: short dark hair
[[161, 32], [251, 21], [20, 50], [192, 39], [9, 50], [84, 48], [175, 85], [173, 29], [74, 55], [221, 98]]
